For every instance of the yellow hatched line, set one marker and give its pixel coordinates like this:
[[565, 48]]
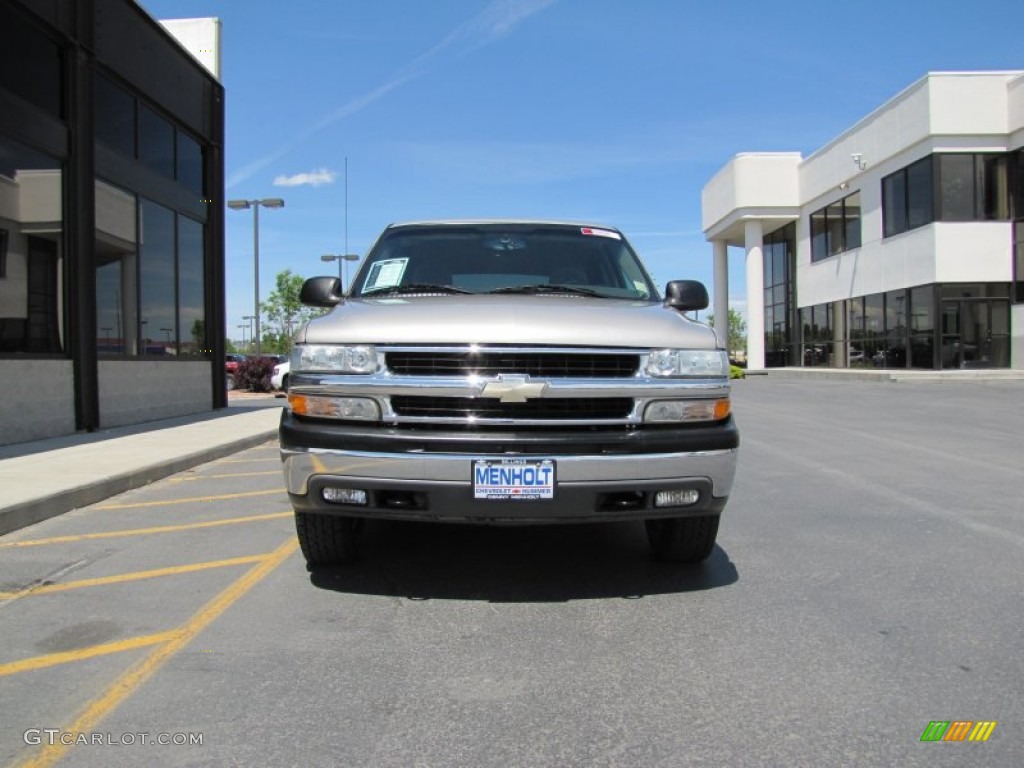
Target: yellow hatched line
[[143, 531], [133, 679], [46, 589], [80, 654], [192, 500]]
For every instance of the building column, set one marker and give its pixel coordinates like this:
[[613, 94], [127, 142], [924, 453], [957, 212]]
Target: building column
[[753, 239], [720, 307]]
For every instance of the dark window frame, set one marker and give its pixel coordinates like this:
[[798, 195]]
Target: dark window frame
[[982, 193], [908, 204], [822, 245]]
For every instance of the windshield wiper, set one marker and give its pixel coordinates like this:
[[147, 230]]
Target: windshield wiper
[[414, 288], [548, 288]]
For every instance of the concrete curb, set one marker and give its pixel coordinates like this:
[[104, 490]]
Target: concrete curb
[[21, 515]]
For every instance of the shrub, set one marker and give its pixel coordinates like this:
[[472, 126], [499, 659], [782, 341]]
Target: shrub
[[254, 374], [735, 372]]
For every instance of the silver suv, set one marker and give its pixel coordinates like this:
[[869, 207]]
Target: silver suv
[[507, 372]]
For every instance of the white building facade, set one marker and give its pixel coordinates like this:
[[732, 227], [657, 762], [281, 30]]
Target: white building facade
[[900, 244]]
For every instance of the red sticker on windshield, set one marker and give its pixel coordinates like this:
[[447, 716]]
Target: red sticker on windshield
[[601, 233]]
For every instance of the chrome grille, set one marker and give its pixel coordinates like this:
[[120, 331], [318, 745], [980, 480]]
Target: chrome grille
[[581, 365], [583, 408]]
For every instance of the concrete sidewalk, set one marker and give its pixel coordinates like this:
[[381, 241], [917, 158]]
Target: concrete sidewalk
[[41, 479]]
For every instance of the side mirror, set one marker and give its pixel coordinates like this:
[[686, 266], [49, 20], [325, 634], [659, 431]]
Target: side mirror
[[686, 295], [321, 292]]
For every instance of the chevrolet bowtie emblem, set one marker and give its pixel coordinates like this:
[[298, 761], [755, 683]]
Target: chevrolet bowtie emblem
[[513, 389]]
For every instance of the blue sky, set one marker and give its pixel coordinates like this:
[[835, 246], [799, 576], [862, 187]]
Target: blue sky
[[611, 111]]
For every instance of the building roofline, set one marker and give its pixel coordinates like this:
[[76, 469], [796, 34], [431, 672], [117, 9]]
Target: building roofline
[[1013, 74]]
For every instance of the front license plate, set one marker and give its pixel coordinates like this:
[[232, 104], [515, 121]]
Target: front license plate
[[514, 479]]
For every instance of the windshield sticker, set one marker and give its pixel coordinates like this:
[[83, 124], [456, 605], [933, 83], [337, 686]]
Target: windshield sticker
[[385, 274], [601, 233]]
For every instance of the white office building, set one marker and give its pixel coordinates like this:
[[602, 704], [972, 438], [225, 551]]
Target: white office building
[[899, 244]]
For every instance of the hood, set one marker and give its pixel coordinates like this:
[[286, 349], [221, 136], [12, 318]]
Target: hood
[[497, 319]]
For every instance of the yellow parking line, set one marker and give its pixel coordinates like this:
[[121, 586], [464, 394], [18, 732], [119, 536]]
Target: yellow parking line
[[192, 500], [45, 589], [131, 680], [192, 478], [80, 654], [142, 531], [275, 457]]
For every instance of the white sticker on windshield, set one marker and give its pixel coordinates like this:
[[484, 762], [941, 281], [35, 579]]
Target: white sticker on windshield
[[385, 274], [601, 233]]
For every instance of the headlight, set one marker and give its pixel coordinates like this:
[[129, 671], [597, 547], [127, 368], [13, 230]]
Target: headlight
[[358, 358], [687, 362], [329, 407], [669, 411]]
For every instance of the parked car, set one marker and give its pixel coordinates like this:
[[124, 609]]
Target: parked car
[[231, 363], [279, 377]]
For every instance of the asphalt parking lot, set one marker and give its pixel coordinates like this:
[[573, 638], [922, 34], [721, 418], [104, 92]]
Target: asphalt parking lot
[[867, 583]]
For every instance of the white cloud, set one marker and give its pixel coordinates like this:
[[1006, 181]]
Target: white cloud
[[313, 178]]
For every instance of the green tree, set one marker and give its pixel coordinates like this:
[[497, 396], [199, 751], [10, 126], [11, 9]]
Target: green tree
[[284, 313], [737, 332]]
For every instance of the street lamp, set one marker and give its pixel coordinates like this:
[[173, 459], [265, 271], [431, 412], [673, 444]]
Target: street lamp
[[241, 205], [244, 327], [248, 319], [342, 263]]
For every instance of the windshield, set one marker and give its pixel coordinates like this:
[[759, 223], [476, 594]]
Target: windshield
[[509, 259]]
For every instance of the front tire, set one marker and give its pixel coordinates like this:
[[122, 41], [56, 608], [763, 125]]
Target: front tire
[[682, 539], [326, 539]]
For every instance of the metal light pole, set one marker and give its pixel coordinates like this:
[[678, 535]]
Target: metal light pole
[[342, 265], [248, 319], [241, 205]]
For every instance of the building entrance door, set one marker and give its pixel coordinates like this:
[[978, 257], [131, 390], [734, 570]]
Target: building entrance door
[[975, 333]]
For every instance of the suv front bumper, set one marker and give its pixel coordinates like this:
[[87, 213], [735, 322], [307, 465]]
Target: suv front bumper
[[427, 474]]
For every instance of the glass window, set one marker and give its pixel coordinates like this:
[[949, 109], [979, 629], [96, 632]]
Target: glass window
[[114, 116], [190, 163], [1000, 317], [920, 208], [819, 236], [895, 318], [156, 142], [191, 282], [1018, 260], [956, 187], [834, 228], [31, 250], [855, 311], [116, 259], [1017, 163], [922, 310], [894, 204], [779, 263], [30, 62], [874, 317], [158, 328], [922, 352], [851, 221], [766, 257], [993, 187]]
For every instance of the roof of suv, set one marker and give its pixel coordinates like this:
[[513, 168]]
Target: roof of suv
[[477, 222]]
